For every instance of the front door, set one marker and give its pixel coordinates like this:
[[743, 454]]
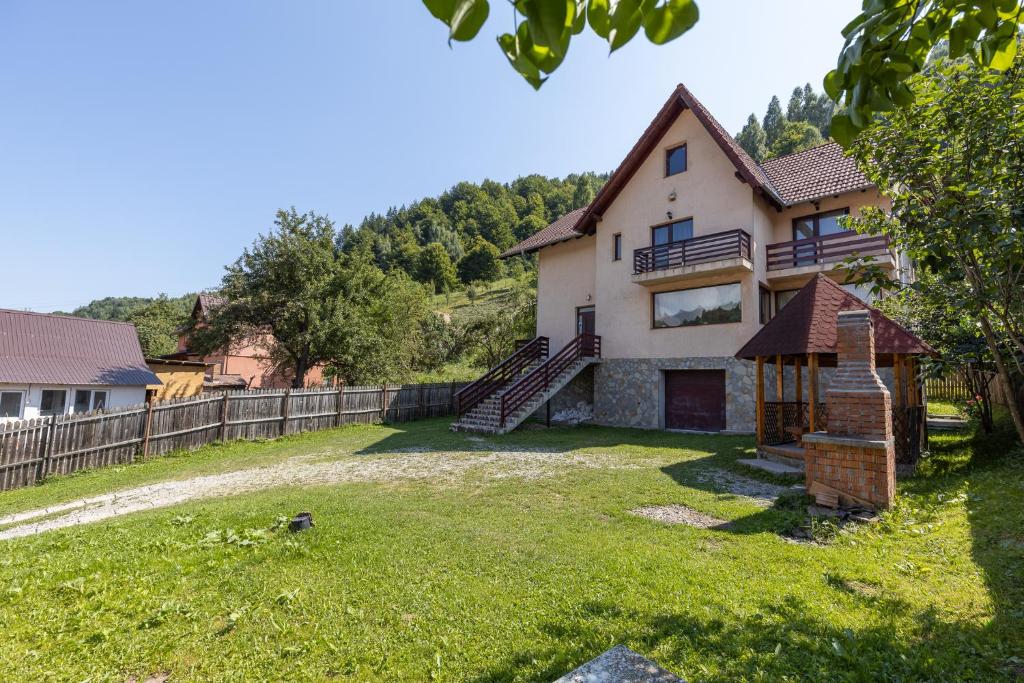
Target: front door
[[695, 399], [585, 320]]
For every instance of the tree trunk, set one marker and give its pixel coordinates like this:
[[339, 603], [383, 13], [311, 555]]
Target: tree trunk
[[1004, 377], [301, 368]]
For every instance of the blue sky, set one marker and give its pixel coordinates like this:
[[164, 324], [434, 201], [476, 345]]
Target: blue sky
[[144, 144]]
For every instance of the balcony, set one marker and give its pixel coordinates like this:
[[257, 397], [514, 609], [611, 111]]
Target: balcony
[[718, 253], [798, 258]]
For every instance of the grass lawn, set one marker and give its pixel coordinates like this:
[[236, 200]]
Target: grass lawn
[[502, 571]]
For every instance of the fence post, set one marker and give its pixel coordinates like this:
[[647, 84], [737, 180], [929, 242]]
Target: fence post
[[341, 404], [285, 410], [223, 432], [44, 459], [383, 402], [420, 408], [146, 429]]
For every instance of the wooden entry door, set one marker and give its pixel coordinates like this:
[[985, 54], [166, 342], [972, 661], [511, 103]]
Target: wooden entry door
[[585, 320], [695, 399]]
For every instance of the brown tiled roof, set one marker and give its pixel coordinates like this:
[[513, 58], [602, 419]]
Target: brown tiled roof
[[38, 348], [807, 324], [788, 180], [818, 172], [559, 231], [205, 302]]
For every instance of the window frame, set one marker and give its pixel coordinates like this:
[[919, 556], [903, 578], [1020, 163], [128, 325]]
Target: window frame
[[106, 399], [775, 299], [672, 222], [64, 403], [816, 221], [668, 156], [617, 246], [764, 294], [654, 296], [21, 404]]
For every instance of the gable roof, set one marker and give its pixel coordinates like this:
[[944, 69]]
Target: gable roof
[[815, 173], [783, 181], [37, 348], [807, 324], [205, 302]]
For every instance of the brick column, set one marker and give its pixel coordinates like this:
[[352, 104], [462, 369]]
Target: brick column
[[856, 456]]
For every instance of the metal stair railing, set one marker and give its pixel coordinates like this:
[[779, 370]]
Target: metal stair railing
[[500, 375], [539, 379]]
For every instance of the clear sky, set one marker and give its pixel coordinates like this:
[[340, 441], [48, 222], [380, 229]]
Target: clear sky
[[144, 144]]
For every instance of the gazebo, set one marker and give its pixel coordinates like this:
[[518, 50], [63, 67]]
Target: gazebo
[[802, 336]]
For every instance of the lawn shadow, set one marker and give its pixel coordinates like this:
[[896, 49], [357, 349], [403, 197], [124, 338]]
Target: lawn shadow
[[779, 640]]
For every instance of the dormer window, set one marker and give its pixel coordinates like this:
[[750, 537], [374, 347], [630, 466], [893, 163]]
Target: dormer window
[[675, 160]]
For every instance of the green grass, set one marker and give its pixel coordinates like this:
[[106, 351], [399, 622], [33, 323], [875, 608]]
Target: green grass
[[936, 407], [507, 579], [490, 296], [453, 372]]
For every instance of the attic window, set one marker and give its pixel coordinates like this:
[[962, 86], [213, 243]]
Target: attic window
[[675, 160]]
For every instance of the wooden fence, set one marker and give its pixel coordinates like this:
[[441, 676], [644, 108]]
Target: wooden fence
[[30, 450]]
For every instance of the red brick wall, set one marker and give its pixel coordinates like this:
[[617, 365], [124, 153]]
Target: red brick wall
[[866, 473]]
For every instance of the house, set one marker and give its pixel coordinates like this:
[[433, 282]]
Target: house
[[57, 365], [685, 254], [178, 378], [244, 364]]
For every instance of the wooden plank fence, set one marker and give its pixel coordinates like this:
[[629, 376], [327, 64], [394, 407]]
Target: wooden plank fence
[[32, 449]]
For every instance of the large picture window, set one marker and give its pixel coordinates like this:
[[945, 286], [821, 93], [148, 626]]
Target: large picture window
[[701, 306], [52, 402], [10, 404]]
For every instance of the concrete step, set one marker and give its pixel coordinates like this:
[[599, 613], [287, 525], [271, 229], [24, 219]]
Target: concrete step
[[772, 467]]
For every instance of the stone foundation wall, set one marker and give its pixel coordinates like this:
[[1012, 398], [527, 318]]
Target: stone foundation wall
[[628, 392], [580, 389], [864, 470]]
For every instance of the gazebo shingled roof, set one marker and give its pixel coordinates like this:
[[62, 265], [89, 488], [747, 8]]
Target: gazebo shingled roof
[[807, 324]]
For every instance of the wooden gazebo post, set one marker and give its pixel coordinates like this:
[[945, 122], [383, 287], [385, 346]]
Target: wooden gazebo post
[[812, 392], [799, 392]]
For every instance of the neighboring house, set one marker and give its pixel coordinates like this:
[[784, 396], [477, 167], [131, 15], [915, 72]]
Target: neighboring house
[[179, 378], [56, 364], [245, 364], [686, 252]]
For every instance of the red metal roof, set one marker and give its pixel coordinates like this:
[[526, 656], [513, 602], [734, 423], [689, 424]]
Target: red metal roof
[[784, 181], [36, 348], [807, 324]]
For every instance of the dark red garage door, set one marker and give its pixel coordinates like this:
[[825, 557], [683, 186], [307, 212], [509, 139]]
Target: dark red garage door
[[695, 399]]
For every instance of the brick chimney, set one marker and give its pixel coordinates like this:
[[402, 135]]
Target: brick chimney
[[855, 458], [858, 402]]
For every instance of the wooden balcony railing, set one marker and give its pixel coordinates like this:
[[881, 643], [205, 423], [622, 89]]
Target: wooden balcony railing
[[500, 375], [720, 245], [827, 249], [540, 378]]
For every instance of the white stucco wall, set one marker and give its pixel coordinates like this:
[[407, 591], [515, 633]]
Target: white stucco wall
[[565, 282], [117, 396]]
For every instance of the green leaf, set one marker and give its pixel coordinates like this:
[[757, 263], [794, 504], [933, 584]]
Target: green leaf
[[516, 55], [1002, 57], [843, 130], [670, 20], [833, 85], [625, 22], [467, 19], [549, 21], [441, 9], [599, 17]]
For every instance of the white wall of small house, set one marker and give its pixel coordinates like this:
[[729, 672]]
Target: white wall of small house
[[32, 394]]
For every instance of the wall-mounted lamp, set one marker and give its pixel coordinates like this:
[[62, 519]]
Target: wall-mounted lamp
[[672, 196], [588, 297], [668, 214]]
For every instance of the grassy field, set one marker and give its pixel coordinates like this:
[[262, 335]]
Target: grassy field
[[499, 571]]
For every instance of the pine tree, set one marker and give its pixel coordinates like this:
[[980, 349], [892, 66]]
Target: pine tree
[[796, 111], [753, 140], [774, 121]]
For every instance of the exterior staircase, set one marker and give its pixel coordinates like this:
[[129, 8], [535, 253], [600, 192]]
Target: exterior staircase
[[503, 408]]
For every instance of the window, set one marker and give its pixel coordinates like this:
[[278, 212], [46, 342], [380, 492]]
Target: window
[[99, 400], [764, 304], [700, 306], [815, 225], [676, 231], [782, 298], [82, 397], [617, 246], [675, 160], [862, 292], [52, 402], [10, 404]]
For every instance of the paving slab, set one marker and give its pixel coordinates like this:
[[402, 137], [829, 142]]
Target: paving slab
[[620, 665], [772, 466]]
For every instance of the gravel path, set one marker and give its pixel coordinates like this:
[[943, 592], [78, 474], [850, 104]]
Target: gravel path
[[407, 465]]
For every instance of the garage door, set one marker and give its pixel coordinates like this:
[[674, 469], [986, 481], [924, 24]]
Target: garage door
[[695, 399]]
